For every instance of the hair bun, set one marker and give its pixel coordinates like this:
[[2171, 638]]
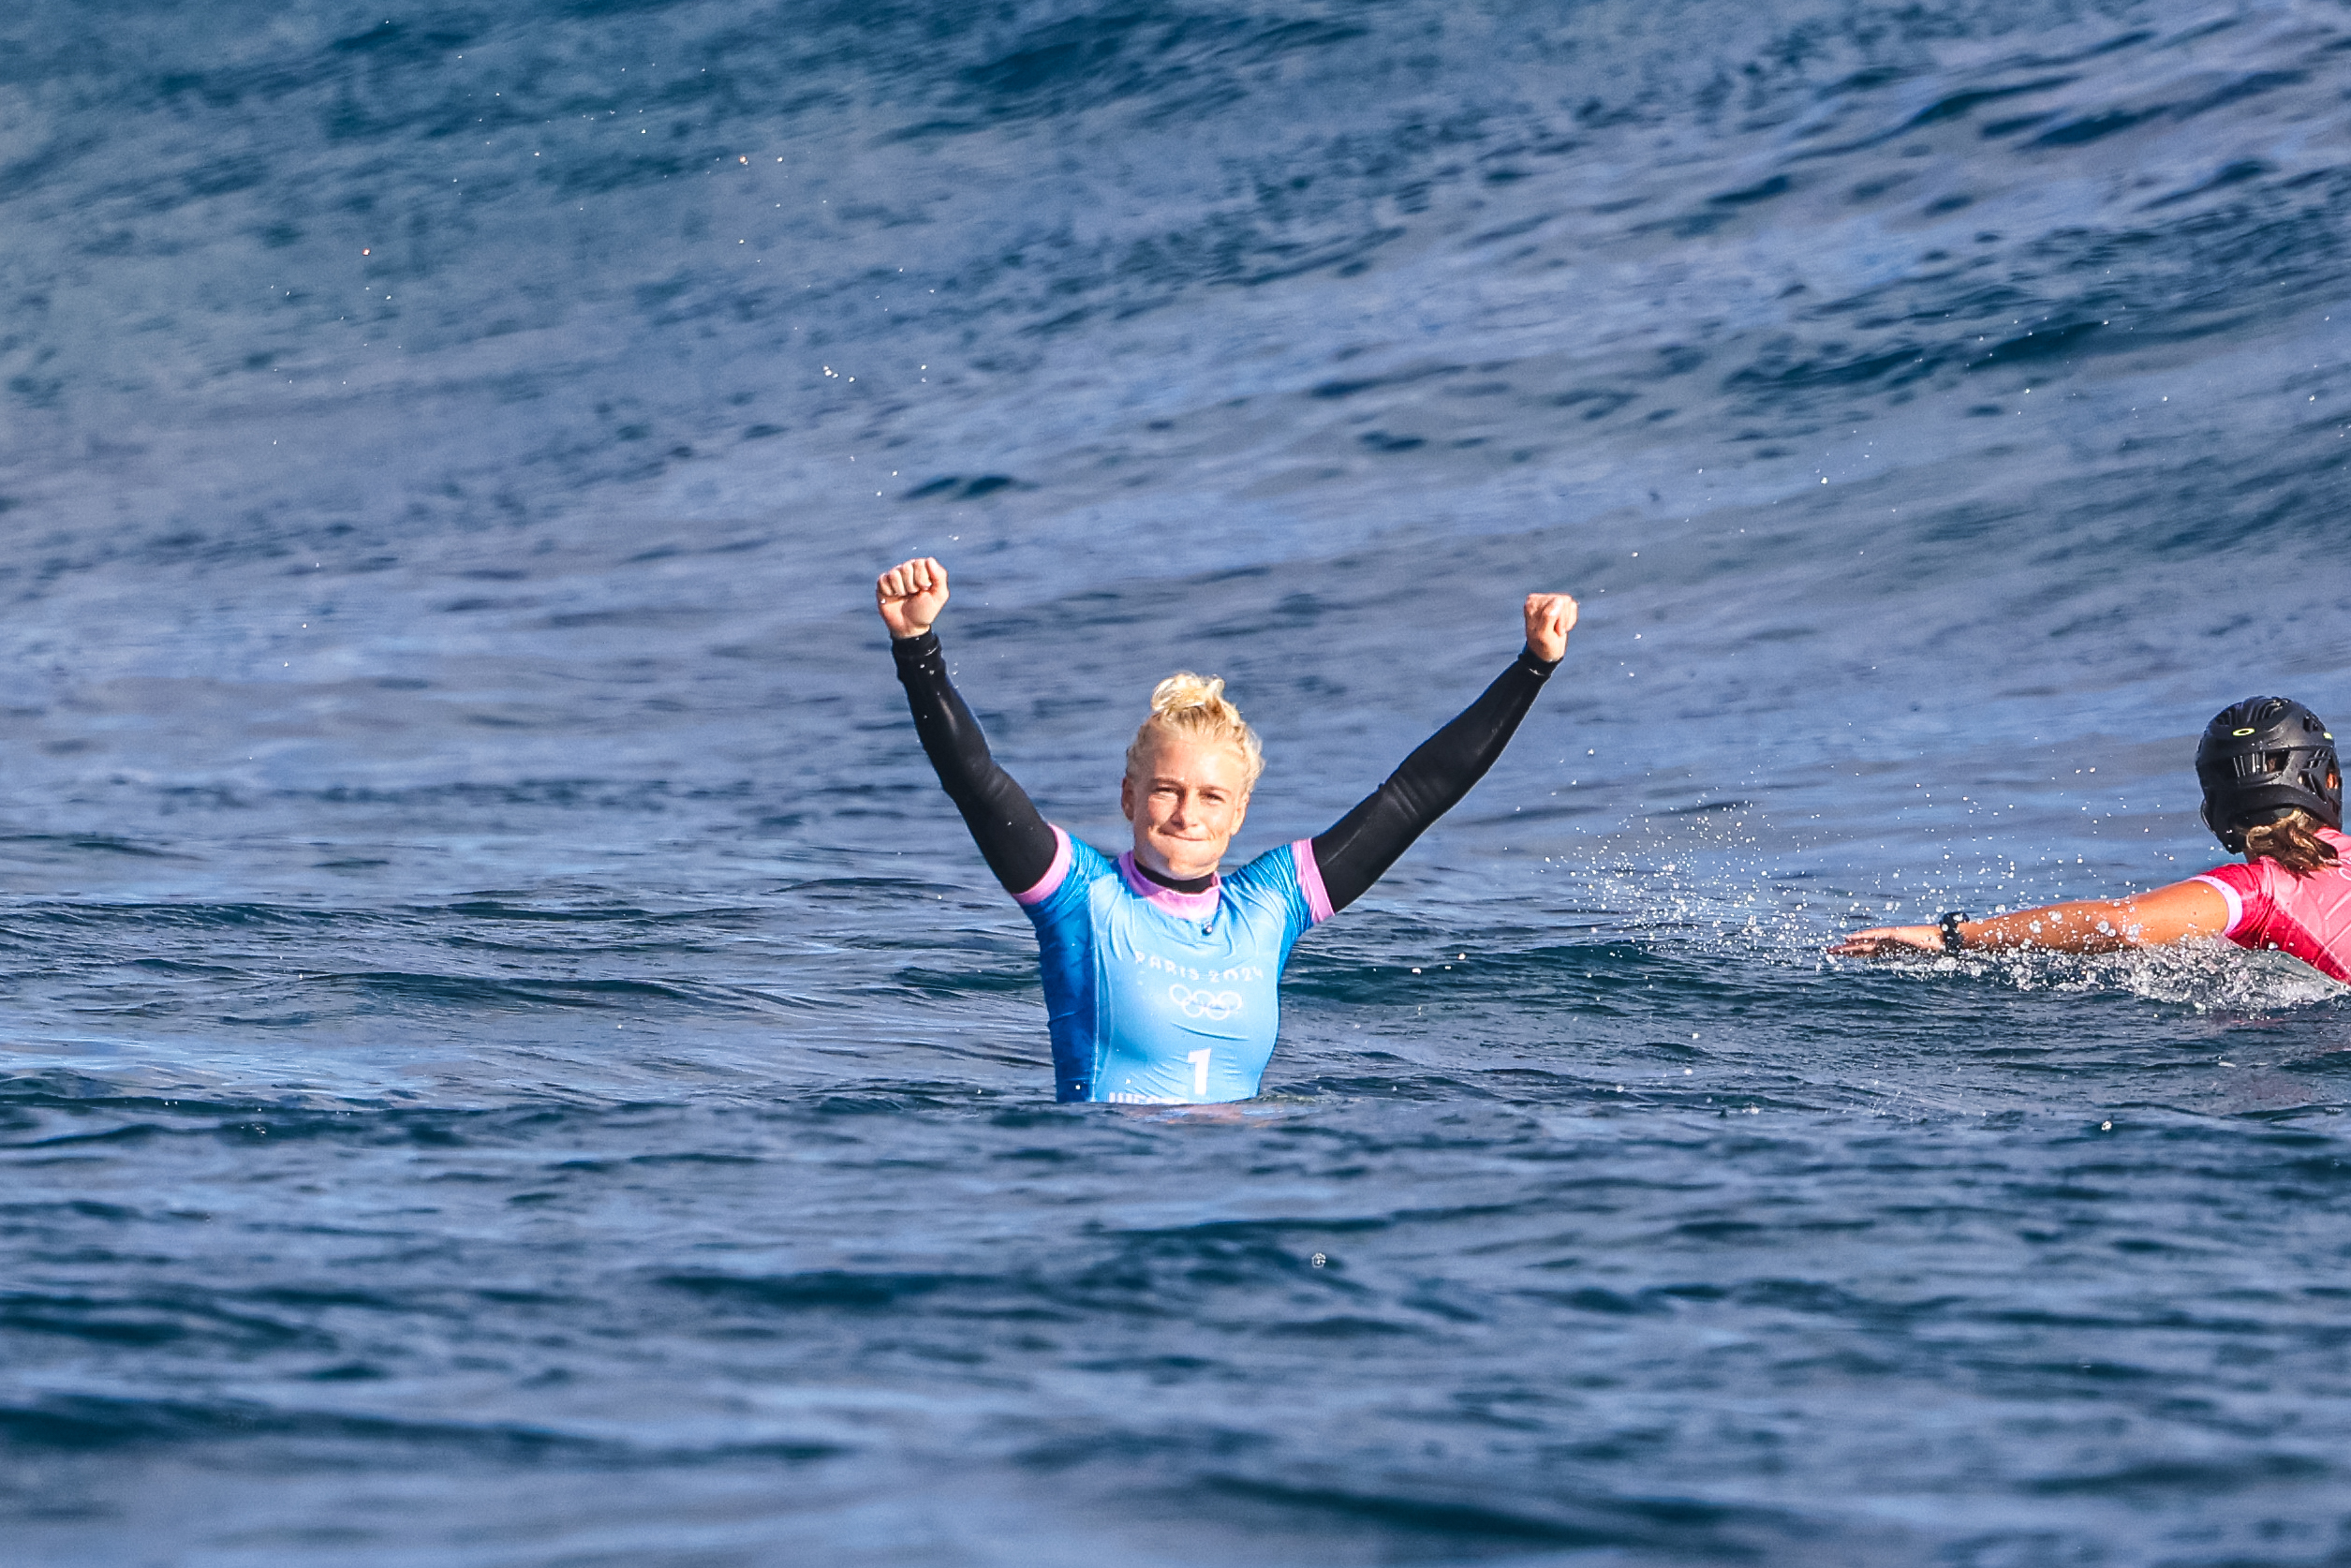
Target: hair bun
[[1195, 708], [1183, 691]]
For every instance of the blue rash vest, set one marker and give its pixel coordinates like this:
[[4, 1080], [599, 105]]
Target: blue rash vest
[[1156, 997]]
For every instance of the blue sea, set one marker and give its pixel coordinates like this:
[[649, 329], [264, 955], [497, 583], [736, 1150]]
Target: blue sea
[[507, 1058]]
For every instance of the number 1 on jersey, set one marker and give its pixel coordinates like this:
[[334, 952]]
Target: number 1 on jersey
[[1199, 1060]]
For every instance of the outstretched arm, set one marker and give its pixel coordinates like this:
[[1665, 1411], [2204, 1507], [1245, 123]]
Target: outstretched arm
[[2168, 914], [1016, 842], [1362, 845]]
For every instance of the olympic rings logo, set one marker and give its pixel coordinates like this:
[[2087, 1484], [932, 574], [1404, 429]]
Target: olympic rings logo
[[1215, 1006]]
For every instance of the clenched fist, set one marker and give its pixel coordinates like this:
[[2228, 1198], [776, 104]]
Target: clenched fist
[[1550, 618], [911, 594]]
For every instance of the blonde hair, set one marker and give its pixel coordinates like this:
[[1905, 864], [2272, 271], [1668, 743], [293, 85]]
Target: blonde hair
[[2293, 842], [1194, 707]]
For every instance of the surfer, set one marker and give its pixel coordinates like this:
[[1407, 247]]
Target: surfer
[[2273, 793], [1160, 971]]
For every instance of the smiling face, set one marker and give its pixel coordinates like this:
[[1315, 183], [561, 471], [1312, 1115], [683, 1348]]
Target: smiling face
[[1185, 800]]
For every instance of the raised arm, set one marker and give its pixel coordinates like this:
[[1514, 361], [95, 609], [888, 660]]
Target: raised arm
[[2168, 914], [1360, 847], [1016, 842]]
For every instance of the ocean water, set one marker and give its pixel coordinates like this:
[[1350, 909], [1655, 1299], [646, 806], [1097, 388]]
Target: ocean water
[[507, 1057]]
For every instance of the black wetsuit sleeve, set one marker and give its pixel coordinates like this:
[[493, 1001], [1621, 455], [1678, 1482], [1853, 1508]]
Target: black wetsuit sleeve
[[1016, 841], [1362, 845]]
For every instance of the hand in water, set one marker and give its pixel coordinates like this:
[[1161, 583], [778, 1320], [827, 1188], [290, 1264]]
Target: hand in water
[[910, 595], [1550, 618], [1891, 942]]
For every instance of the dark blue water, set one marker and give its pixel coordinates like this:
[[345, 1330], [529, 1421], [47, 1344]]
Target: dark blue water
[[508, 1059]]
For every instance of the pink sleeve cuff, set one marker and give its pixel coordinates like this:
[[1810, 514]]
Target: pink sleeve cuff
[[1318, 898], [1047, 883], [2235, 903]]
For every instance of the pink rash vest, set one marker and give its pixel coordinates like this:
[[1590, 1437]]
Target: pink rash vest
[[2309, 917]]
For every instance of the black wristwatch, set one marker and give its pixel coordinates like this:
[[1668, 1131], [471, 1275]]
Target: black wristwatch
[[1950, 924]]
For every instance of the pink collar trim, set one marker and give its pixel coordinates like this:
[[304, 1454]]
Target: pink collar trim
[[1186, 906]]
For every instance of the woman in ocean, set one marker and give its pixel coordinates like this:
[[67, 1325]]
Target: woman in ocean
[[1159, 972], [2273, 793]]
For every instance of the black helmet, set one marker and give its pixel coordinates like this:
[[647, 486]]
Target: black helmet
[[2261, 759]]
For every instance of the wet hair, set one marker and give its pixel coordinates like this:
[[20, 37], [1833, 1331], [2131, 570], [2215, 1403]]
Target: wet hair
[[2292, 841], [1194, 707]]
